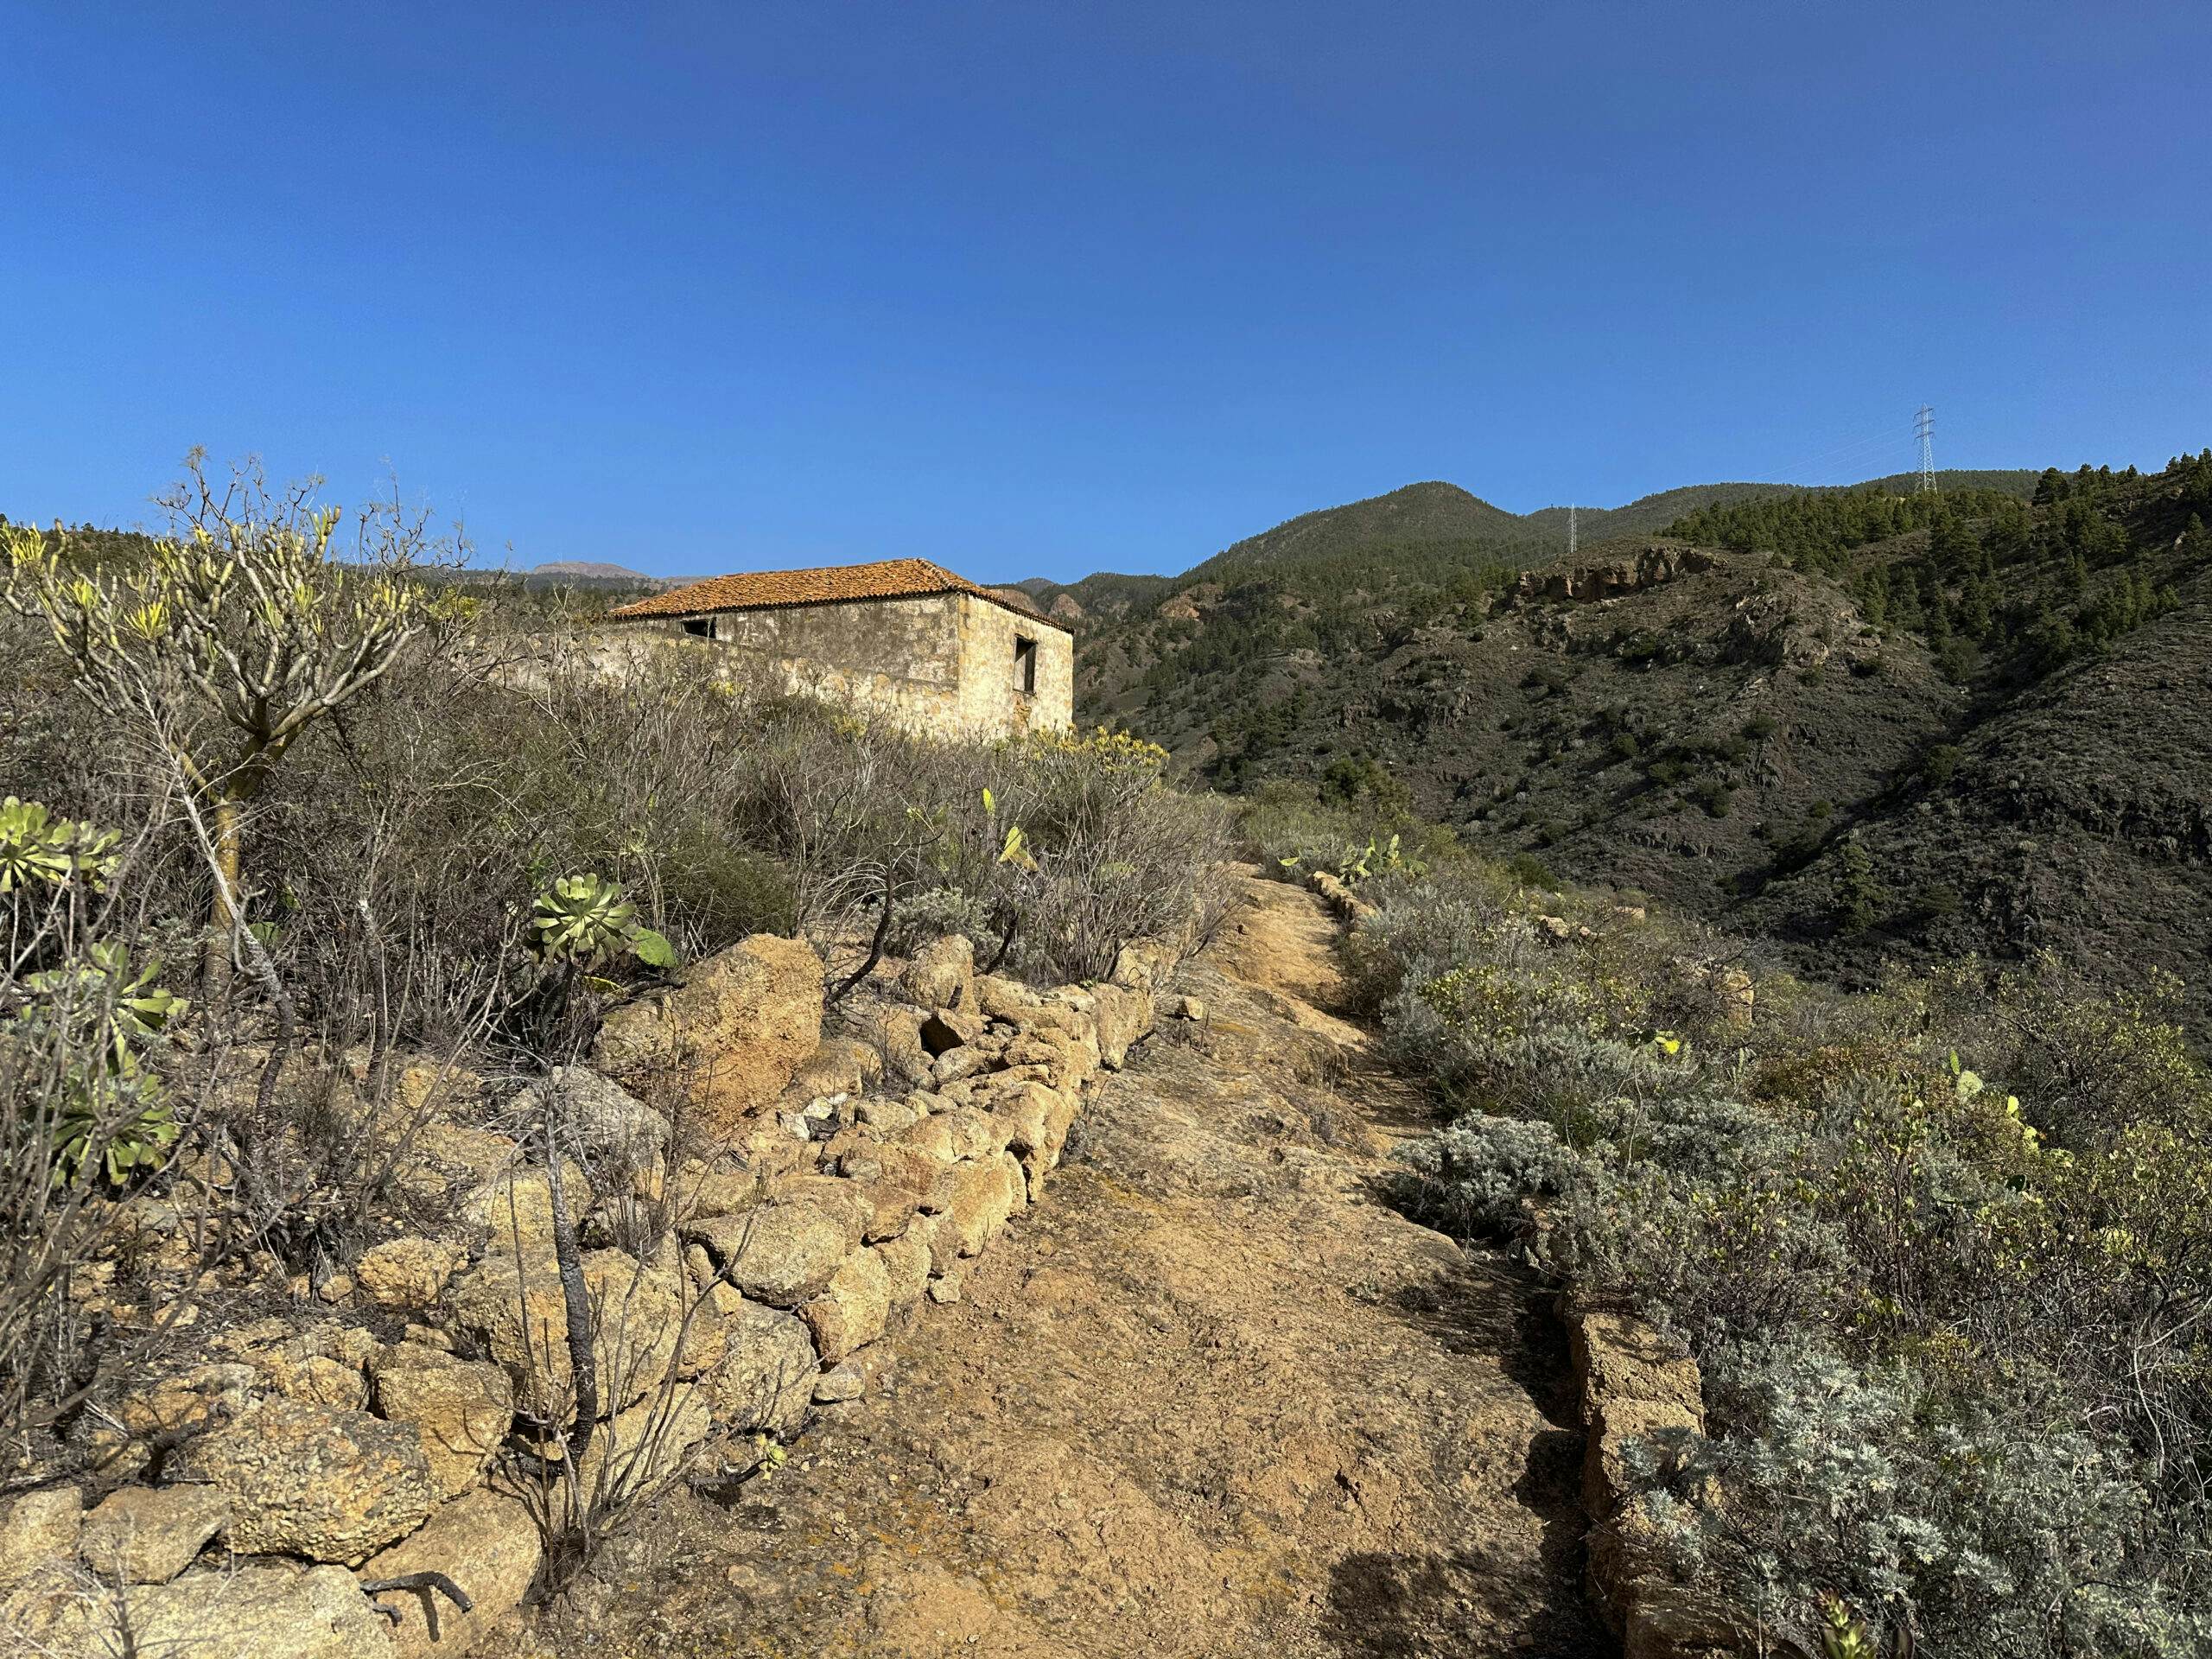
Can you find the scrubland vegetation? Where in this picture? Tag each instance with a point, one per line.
(295, 821)
(1943, 1248)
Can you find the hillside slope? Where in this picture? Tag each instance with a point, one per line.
(1863, 723)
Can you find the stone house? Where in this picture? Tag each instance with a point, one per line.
(902, 637)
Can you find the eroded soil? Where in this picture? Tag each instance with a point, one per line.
(1210, 1398)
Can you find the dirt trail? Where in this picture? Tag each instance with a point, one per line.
(1210, 1398)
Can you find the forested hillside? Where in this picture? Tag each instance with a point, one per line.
(1866, 720)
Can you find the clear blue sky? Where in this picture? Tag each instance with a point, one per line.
(1048, 287)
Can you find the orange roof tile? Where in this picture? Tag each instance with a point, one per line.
(763, 590)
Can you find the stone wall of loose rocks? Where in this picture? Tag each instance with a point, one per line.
(758, 1205)
(1634, 1384)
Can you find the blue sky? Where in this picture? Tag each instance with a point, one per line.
(1039, 288)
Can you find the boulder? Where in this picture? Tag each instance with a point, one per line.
(320, 1364)
(1066, 1061)
(900, 1181)
(842, 1065)
(942, 974)
(1124, 1017)
(40, 1527)
(849, 1201)
(486, 1543)
(167, 1412)
(622, 1140)
(461, 1409)
(957, 1133)
(146, 1534)
(260, 1610)
(735, 1032)
(408, 1275)
(443, 1158)
(1633, 1383)
(766, 1379)
(905, 1269)
(1002, 998)
(1038, 1119)
(960, 1063)
(1738, 997)
(852, 1309)
(1636, 1384)
(514, 1208)
(518, 1312)
(893, 1031)
(981, 1202)
(1145, 964)
(886, 1117)
(328, 1484)
(782, 1252)
(718, 1186)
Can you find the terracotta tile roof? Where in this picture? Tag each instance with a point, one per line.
(766, 590)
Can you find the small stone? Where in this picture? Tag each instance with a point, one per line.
(1193, 1008)
(946, 1288)
(336, 1288)
(840, 1383)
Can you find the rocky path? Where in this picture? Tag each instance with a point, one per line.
(1210, 1398)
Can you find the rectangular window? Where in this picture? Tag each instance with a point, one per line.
(702, 626)
(1025, 666)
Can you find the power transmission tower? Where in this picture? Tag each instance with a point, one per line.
(1923, 427)
(1570, 532)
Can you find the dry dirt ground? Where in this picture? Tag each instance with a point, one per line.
(1210, 1398)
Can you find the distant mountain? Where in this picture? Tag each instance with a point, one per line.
(1418, 516)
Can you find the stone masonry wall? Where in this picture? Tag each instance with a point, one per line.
(760, 1207)
(943, 664)
(990, 697)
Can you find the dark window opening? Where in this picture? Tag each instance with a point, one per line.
(1025, 666)
(702, 626)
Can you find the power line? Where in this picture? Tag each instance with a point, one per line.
(1842, 456)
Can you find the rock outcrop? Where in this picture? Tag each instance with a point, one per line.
(1628, 571)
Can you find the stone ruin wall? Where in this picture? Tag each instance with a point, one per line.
(943, 664)
(798, 1199)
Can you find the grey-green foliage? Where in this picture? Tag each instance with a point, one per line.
(1837, 1479)
(1950, 1365)
(1485, 1175)
(938, 911)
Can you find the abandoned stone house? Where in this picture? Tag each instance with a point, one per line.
(901, 638)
